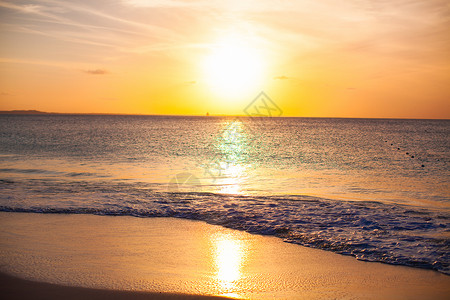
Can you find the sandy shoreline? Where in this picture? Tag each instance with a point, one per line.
(144, 257)
(16, 288)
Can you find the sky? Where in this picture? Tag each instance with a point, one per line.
(328, 58)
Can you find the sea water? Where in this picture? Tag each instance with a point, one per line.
(377, 189)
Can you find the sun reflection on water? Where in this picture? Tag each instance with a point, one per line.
(234, 177)
(234, 145)
(234, 142)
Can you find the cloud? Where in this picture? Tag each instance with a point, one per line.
(191, 82)
(5, 94)
(158, 3)
(282, 77)
(96, 72)
(29, 8)
(88, 25)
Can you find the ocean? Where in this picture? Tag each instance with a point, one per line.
(376, 189)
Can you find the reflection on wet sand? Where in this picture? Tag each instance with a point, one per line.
(228, 258)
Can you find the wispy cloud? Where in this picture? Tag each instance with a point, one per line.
(92, 26)
(96, 72)
(27, 8)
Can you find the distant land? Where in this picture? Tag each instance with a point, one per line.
(38, 112)
(24, 112)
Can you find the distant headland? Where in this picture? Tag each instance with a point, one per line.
(24, 112)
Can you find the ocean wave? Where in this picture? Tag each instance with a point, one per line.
(48, 172)
(367, 230)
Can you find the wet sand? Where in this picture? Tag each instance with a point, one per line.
(137, 258)
(15, 288)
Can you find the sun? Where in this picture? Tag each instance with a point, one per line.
(233, 69)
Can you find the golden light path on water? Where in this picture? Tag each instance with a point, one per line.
(234, 145)
(232, 183)
(229, 252)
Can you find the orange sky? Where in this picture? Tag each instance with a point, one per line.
(313, 58)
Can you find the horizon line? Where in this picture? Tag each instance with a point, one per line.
(38, 112)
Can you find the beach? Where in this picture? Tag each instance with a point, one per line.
(16, 288)
(118, 257)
